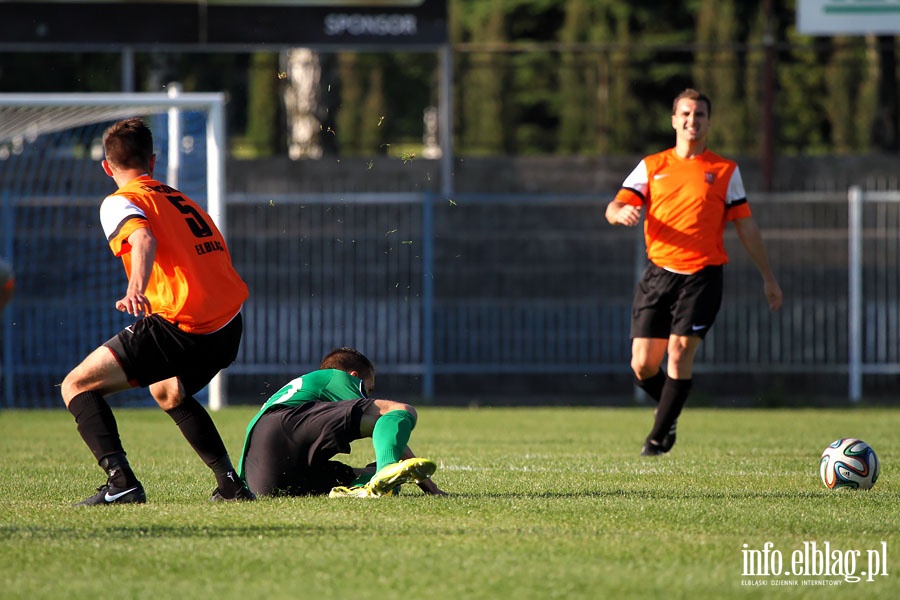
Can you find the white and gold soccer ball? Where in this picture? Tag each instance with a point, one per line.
(849, 463)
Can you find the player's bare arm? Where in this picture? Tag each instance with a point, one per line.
(143, 251)
(619, 213)
(751, 238)
(426, 485)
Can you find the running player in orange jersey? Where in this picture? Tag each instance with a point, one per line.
(187, 298)
(689, 194)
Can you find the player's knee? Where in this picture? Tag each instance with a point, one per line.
(168, 393)
(411, 410)
(407, 408)
(71, 387)
(386, 406)
(66, 390)
(166, 399)
(643, 370)
(681, 356)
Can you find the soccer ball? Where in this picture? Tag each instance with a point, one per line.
(849, 463)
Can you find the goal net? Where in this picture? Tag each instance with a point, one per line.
(51, 186)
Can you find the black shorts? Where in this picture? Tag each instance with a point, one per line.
(152, 349)
(291, 447)
(668, 303)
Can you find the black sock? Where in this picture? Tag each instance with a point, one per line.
(118, 470)
(199, 430)
(652, 386)
(99, 430)
(96, 424)
(227, 479)
(674, 395)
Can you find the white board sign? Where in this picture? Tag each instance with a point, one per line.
(848, 17)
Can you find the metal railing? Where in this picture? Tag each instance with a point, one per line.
(481, 288)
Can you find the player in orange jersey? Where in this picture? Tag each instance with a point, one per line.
(689, 195)
(187, 298)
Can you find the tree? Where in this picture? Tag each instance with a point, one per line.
(850, 89)
(372, 133)
(578, 84)
(484, 86)
(718, 71)
(303, 78)
(886, 125)
(752, 123)
(262, 104)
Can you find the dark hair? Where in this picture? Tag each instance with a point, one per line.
(348, 359)
(128, 144)
(692, 94)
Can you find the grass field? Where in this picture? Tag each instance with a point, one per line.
(545, 503)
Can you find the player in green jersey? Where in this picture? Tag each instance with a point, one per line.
(291, 441)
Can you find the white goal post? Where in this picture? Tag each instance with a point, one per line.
(24, 118)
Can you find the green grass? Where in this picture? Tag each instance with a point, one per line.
(545, 503)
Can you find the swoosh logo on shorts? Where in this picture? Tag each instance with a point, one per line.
(113, 497)
(698, 327)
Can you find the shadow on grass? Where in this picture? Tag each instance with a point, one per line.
(651, 494)
(121, 532)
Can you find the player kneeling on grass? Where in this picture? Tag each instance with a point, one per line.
(292, 439)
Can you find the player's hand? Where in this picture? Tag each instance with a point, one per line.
(629, 215)
(773, 295)
(430, 487)
(135, 304)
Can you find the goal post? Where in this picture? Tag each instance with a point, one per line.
(50, 190)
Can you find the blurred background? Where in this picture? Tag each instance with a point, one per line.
(426, 180)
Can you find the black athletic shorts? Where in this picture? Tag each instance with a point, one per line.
(668, 303)
(153, 349)
(291, 447)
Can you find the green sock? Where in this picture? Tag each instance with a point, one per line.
(390, 436)
(362, 480)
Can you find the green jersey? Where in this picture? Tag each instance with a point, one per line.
(325, 385)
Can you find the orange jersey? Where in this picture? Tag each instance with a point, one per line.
(687, 203)
(193, 283)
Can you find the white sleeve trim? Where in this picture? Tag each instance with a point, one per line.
(116, 209)
(638, 179)
(735, 188)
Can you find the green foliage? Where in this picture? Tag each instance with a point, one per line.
(718, 71)
(608, 83)
(544, 503)
(349, 114)
(802, 126)
(263, 101)
(577, 82)
(484, 90)
(548, 77)
(850, 87)
(753, 124)
(371, 133)
(382, 99)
